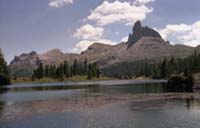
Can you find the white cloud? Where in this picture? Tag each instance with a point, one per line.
(174, 29)
(84, 44)
(124, 39)
(182, 33)
(89, 32)
(125, 12)
(88, 35)
(60, 3)
(140, 2)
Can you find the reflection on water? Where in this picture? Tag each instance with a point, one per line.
(139, 105)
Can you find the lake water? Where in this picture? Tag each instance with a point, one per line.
(103, 104)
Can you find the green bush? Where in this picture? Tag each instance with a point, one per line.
(4, 80)
(180, 83)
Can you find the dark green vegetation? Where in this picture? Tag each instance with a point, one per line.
(155, 70)
(180, 83)
(4, 73)
(179, 72)
(65, 70)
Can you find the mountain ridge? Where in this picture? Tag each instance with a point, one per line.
(143, 43)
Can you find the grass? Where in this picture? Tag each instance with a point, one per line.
(73, 79)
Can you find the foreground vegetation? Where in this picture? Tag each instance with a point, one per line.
(180, 83)
(4, 72)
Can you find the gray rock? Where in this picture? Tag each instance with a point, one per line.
(139, 32)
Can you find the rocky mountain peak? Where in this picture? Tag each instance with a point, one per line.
(97, 48)
(139, 31)
(24, 57)
(137, 26)
(98, 45)
(52, 53)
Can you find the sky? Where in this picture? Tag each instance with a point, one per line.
(73, 25)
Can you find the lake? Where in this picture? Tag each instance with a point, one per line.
(100, 104)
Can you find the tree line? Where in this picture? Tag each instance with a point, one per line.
(149, 68)
(67, 70)
(4, 72)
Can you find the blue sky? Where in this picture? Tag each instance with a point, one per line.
(72, 25)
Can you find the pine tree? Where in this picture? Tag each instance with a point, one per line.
(85, 67)
(98, 73)
(46, 73)
(94, 69)
(66, 69)
(4, 72)
(39, 72)
(74, 67)
(61, 74)
(89, 73)
(163, 68)
(186, 71)
(3, 65)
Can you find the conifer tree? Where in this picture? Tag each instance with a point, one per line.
(4, 72)
(163, 68)
(89, 73)
(47, 69)
(66, 69)
(61, 74)
(85, 67)
(40, 71)
(74, 67)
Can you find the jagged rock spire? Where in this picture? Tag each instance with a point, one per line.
(139, 32)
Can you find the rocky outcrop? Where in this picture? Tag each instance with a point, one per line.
(26, 58)
(97, 48)
(23, 64)
(139, 32)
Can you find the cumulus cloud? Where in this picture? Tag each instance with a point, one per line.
(125, 12)
(182, 33)
(89, 32)
(60, 3)
(84, 44)
(124, 39)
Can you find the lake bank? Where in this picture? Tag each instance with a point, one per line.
(73, 79)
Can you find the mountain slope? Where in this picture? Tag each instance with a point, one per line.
(144, 43)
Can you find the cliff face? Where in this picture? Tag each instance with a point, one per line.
(26, 58)
(24, 64)
(144, 43)
(139, 32)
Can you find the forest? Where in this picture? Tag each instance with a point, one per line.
(156, 70)
(67, 70)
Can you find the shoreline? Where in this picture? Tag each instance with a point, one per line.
(73, 79)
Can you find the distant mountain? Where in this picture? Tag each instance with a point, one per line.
(144, 43)
(24, 64)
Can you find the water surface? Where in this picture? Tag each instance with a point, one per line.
(102, 104)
